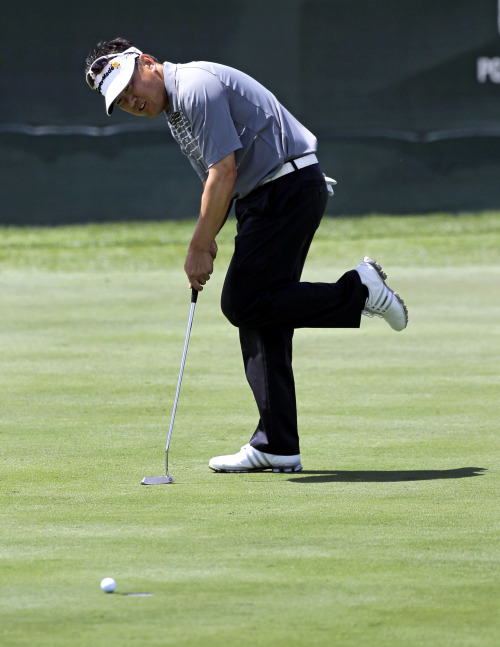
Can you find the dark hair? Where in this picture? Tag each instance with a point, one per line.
(105, 48)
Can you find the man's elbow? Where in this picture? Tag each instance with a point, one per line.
(232, 173)
(225, 171)
(228, 175)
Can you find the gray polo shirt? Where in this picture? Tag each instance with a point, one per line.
(216, 110)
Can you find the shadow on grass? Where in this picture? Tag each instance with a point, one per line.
(337, 476)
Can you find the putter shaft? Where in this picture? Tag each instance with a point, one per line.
(194, 297)
(161, 480)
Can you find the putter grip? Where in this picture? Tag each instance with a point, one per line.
(194, 295)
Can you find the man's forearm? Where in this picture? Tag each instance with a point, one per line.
(215, 203)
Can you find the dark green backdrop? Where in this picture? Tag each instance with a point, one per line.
(403, 96)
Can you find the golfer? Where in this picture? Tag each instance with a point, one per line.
(246, 147)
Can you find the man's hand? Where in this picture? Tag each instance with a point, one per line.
(199, 266)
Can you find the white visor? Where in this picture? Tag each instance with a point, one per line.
(115, 76)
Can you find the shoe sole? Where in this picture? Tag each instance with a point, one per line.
(380, 271)
(287, 469)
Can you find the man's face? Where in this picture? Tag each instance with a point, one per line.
(145, 95)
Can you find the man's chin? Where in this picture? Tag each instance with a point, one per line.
(152, 114)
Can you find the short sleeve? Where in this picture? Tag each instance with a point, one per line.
(206, 105)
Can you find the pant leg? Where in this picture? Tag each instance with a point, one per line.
(267, 357)
(264, 297)
(276, 224)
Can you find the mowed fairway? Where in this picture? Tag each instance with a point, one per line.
(388, 538)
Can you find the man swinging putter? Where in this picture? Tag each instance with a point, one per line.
(248, 148)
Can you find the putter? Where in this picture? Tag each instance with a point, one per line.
(165, 480)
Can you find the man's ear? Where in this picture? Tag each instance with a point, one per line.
(146, 61)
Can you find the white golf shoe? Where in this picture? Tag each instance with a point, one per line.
(382, 301)
(249, 459)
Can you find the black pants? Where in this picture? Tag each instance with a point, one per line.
(264, 298)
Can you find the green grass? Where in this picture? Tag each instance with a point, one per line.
(388, 538)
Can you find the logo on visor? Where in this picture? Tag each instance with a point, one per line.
(113, 66)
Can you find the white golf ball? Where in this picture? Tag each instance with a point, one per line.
(108, 585)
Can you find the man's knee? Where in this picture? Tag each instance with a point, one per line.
(232, 306)
(241, 307)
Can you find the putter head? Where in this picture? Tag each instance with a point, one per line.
(157, 480)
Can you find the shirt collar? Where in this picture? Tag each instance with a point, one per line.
(169, 74)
